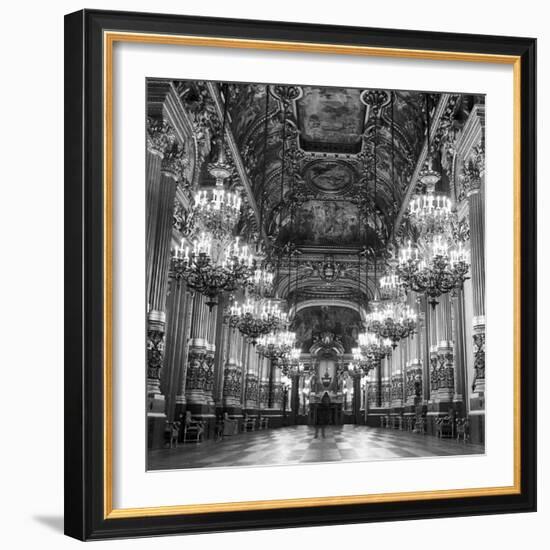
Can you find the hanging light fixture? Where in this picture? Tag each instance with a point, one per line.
(429, 212)
(391, 285)
(262, 280)
(440, 269)
(256, 317)
(374, 348)
(277, 345)
(370, 351)
(211, 267)
(217, 207)
(394, 321)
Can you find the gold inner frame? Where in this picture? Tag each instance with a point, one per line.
(109, 39)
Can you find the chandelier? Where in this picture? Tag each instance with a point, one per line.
(360, 364)
(395, 321)
(391, 285)
(261, 280)
(429, 212)
(256, 317)
(213, 266)
(277, 345)
(373, 347)
(218, 208)
(290, 363)
(443, 268)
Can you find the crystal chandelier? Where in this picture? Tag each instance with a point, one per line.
(213, 266)
(256, 317)
(217, 208)
(359, 365)
(440, 270)
(391, 285)
(429, 212)
(261, 280)
(290, 363)
(277, 345)
(374, 348)
(394, 321)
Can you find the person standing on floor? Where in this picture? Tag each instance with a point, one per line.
(323, 416)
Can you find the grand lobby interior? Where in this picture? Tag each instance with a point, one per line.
(315, 272)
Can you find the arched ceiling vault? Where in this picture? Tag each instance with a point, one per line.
(330, 170)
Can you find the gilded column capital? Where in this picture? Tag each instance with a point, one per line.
(160, 136)
(175, 161)
(473, 172)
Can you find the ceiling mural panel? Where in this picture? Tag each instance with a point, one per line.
(325, 223)
(310, 323)
(329, 176)
(331, 119)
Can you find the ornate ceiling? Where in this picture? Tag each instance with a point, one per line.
(328, 173)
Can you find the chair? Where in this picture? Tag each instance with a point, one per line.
(249, 423)
(444, 427)
(230, 426)
(193, 430)
(463, 429)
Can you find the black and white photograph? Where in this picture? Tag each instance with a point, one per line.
(315, 274)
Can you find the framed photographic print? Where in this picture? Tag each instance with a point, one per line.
(300, 274)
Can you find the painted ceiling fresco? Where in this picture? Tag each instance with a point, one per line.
(330, 119)
(329, 176)
(327, 223)
(327, 168)
(310, 323)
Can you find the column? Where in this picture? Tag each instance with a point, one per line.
(176, 317)
(473, 185)
(186, 335)
(445, 350)
(210, 353)
(433, 356)
(251, 396)
(295, 398)
(357, 398)
(460, 357)
(194, 389)
(263, 366)
(232, 373)
(165, 160)
(386, 381)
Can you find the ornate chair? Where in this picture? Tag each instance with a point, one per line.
(193, 430)
(230, 426)
(420, 425)
(249, 423)
(463, 429)
(444, 427)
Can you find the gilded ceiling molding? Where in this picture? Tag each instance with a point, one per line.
(334, 302)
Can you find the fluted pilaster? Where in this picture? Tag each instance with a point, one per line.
(473, 183)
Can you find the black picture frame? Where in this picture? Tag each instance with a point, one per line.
(85, 517)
